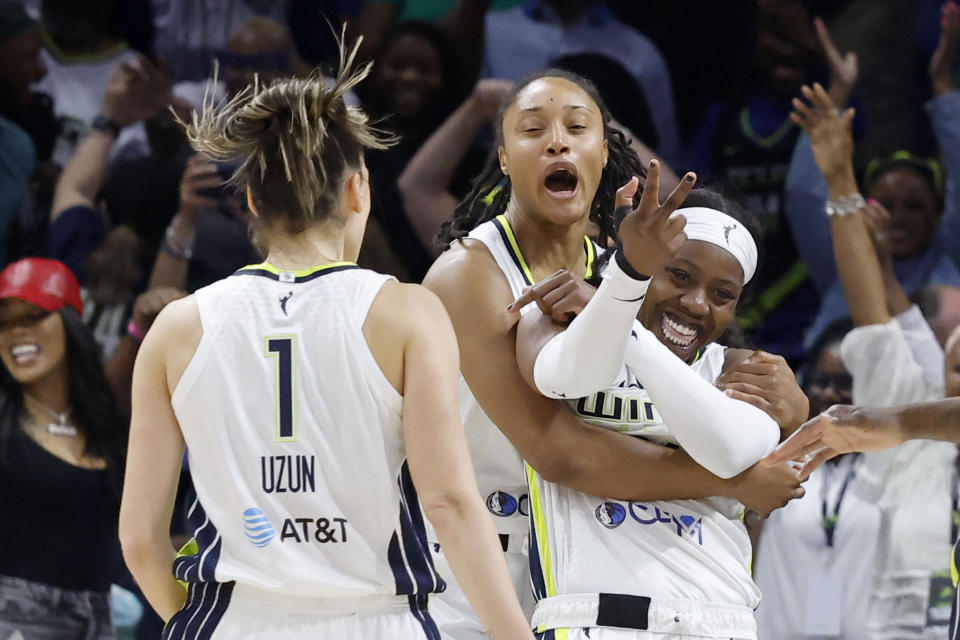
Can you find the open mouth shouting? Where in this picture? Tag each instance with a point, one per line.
(561, 180)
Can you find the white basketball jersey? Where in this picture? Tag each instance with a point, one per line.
(295, 442)
(681, 549)
(498, 464)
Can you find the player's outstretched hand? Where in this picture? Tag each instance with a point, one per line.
(838, 430)
(649, 235)
(561, 296)
(765, 488)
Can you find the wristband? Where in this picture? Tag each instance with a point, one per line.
(625, 265)
(845, 205)
(105, 124)
(134, 331)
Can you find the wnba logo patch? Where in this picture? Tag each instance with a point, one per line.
(257, 528)
(611, 515)
(501, 504)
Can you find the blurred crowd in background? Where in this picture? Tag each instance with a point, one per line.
(95, 172)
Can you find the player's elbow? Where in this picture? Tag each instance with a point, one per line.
(557, 468)
(137, 543)
(446, 509)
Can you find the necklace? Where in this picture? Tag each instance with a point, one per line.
(60, 427)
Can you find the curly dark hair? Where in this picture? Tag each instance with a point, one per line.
(490, 192)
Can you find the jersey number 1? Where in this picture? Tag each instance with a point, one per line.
(281, 348)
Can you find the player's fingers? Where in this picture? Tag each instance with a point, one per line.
(757, 401)
(822, 456)
(797, 493)
(626, 193)
(678, 195)
(526, 297)
(559, 292)
(650, 198)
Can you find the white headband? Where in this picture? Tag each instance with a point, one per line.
(716, 227)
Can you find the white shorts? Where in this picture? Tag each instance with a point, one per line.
(624, 617)
(451, 609)
(227, 611)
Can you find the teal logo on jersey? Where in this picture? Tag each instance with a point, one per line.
(611, 515)
(257, 527)
(501, 503)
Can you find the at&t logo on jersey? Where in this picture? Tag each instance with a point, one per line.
(257, 527)
(611, 515)
(260, 532)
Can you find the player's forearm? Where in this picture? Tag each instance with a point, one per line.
(939, 420)
(151, 564)
(601, 462)
(724, 435)
(470, 544)
(588, 356)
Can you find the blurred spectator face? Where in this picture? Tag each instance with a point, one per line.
(260, 47)
(20, 63)
(951, 365)
(828, 382)
(409, 74)
(913, 208)
(78, 26)
(785, 44)
(32, 341)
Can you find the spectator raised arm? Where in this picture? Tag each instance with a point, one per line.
(425, 182)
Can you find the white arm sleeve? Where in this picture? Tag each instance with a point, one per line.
(725, 436)
(588, 356)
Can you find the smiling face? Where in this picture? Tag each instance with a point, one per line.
(553, 150)
(33, 343)
(410, 73)
(913, 208)
(692, 301)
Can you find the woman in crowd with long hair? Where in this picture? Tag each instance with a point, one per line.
(62, 443)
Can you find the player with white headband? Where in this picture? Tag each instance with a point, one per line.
(604, 568)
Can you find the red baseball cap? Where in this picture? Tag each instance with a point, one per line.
(49, 284)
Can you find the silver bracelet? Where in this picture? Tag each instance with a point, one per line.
(173, 248)
(845, 204)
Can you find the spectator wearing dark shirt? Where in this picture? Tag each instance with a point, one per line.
(62, 445)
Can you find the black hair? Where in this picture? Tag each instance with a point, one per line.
(927, 168)
(93, 406)
(833, 334)
(490, 192)
(620, 90)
